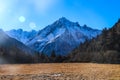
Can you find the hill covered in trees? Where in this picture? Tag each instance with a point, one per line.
(103, 49)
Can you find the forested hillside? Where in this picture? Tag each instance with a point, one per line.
(103, 49)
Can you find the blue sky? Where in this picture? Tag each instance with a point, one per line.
(36, 14)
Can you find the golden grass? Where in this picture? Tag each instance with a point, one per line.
(69, 71)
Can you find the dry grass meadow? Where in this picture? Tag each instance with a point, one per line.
(60, 71)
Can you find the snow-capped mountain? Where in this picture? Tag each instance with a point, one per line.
(61, 37)
(22, 36)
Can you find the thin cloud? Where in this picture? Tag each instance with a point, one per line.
(43, 5)
(3, 8)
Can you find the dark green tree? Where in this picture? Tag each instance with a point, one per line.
(53, 54)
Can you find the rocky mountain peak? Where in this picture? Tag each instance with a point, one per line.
(64, 22)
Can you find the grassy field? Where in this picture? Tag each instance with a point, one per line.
(62, 71)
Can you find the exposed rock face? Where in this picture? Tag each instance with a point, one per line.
(62, 37)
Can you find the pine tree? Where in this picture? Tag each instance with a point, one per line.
(53, 55)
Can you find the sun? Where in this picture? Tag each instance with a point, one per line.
(22, 19)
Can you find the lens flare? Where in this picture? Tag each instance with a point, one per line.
(22, 19)
(32, 25)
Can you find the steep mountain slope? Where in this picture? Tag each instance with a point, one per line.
(61, 37)
(13, 51)
(22, 36)
(104, 49)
